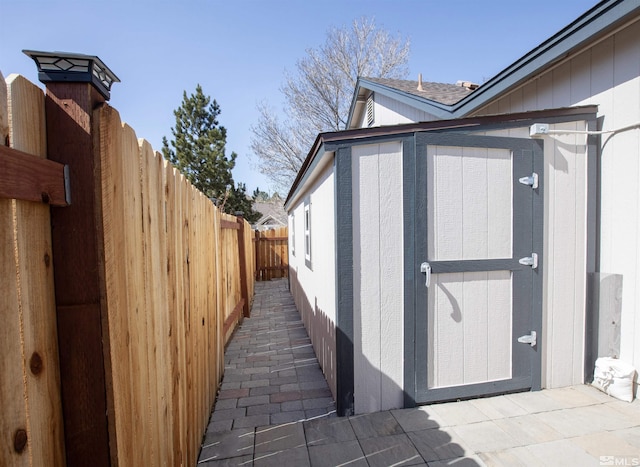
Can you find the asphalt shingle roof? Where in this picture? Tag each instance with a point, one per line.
(443, 93)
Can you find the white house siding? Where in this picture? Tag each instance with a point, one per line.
(313, 288)
(378, 276)
(388, 111)
(606, 74)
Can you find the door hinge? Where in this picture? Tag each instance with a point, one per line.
(531, 180)
(531, 339)
(530, 261)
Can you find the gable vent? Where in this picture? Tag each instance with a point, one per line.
(370, 116)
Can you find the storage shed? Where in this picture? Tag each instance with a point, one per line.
(451, 250)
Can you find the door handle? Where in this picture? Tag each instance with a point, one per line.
(426, 268)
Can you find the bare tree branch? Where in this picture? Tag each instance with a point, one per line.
(318, 95)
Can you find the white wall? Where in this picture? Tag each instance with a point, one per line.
(608, 75)
(313, 288)
(378, 277)
(388, 111)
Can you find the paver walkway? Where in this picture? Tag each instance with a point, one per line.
(275, 409)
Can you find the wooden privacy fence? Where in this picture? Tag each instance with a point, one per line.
(116, 309)
(272, 254)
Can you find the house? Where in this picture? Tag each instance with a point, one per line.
(272, 210)
(457, 244)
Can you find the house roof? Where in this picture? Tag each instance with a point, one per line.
(273, 212)
(438, 92)
(598, 22)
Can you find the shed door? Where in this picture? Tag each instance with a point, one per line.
(479, 244)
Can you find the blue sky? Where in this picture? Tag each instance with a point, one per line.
(238, 50)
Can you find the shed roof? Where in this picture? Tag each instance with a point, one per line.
(327, 143)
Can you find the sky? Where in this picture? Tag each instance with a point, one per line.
(239, 50)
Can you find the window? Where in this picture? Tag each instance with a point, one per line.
(307, 233)
(292, 230)
(370, 116)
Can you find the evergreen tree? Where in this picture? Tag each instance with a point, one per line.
(259, 195)
(198, 151)
(241, 202)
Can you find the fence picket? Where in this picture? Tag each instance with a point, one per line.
(31, 254)
(169, 278)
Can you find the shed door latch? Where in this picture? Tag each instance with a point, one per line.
(426, 268)
(530, 261)
(531, 180)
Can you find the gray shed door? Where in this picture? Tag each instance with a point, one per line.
(479, 247)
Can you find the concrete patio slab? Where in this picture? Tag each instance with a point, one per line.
(344, 453)
(485, 437)
(528, 430)
(390, 450)
(439, 444)
(332, 431)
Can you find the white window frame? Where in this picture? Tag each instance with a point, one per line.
(293, 233)
(307, 233)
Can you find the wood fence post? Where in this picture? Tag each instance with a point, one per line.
(244, 288)
(71, 98)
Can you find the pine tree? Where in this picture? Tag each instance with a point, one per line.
(198, 151)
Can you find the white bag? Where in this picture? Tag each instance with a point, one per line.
(615, 378)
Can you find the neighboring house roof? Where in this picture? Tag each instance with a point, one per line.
(596, 23)
(273, 213)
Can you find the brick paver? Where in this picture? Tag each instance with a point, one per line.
(274, 408)
(272, 375)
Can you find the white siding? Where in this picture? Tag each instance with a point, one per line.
(314, 288)
(378, 277)
(608, 75)
(388, 111)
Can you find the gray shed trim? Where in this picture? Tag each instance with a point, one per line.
(596, 23)
(344, 282)
(523, 228)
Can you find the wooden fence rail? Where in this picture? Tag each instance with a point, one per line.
(175, 277)
(272, 254)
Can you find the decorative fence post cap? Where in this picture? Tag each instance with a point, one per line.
(57, 67)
